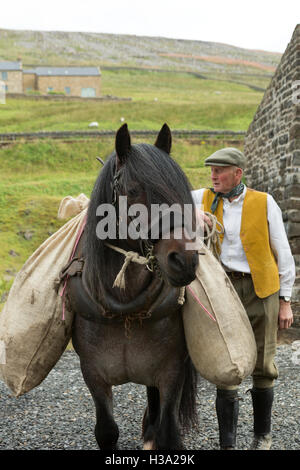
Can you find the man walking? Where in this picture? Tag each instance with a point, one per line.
(256, 255)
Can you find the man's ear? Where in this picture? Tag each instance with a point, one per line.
(239, 172)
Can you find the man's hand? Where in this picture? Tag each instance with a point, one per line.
(285, 316)
(201, 217)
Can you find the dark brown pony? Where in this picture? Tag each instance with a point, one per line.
(135, 334)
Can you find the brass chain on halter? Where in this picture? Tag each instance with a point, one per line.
(133, 317)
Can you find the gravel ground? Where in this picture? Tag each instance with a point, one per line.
(60, 414)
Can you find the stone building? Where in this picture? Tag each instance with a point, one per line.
(272, 147)
(2, 92)
(72, 81)
(11, 74)
(29, 82)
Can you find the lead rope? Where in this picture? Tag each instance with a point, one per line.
(213, 234)
(129, 256)
(214, 245)
(132, 256)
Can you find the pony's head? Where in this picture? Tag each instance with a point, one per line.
(140, 202)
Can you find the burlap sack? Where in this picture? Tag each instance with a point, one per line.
(70, 206)
(222, 351)
(33, 334)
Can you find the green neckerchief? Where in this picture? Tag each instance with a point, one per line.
(236, 191)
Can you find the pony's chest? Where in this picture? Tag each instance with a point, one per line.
(137, 354)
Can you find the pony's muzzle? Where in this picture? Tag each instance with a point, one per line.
(182, 267)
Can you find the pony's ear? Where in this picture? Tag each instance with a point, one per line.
(164, 139)
(123, 144)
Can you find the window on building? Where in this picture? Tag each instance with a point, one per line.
(50, 88)
(4, 75)
(67, 90)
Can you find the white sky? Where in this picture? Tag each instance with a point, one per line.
(255, 24)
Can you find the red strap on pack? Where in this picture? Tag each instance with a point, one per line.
(196, 298)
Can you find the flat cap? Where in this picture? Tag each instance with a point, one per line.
(228, 156)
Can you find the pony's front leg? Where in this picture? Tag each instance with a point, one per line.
(151, 418)
(168, 434)
(168, 431)
(106, 429)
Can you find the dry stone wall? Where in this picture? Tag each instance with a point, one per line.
(272, 147)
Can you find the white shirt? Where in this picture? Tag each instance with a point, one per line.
(233, 256)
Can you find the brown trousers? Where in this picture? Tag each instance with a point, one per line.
(263, 316)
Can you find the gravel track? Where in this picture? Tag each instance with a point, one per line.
(60, 414)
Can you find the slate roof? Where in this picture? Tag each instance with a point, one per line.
(67, 71)
(29, 71)
(10, 66)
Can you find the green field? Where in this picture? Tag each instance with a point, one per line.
(35, 176)
(182, 100)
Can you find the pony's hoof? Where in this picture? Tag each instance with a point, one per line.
(149, 445)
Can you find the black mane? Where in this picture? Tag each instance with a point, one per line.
(163, 182)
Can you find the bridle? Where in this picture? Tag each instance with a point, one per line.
(146, 244)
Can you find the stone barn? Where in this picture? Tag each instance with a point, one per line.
(2, 92)
(72, 81)
(12, 76)
(272, 147)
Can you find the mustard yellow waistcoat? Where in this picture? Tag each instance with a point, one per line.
(254, 235)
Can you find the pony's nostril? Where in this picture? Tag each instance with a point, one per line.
(175, 260)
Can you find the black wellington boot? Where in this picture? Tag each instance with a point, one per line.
(262, 399)
(227, 407)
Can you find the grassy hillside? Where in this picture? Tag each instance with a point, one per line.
(75, 48)
(36, 176)
(182, 100)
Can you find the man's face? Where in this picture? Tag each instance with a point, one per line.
(225, 178)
